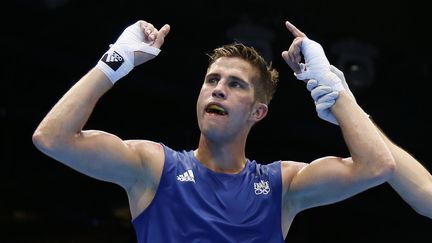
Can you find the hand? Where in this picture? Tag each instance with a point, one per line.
(293, 56)
(137, 44)
(325, 97)
(316, 65)
(145, 38)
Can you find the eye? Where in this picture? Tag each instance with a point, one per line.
(236, 84)
(212, 80)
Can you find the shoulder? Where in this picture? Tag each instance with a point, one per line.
(151, 155)
(288, 167)
(145, 148)
(288, 170)
(157, 154)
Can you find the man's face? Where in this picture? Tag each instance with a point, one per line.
(226, 100)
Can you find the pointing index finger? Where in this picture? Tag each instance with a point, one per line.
(296, 32)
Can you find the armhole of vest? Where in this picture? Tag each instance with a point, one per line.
(164, 181)
(277, 167)
(168, 152)
(166, 166)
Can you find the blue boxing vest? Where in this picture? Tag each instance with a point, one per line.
(195, 204)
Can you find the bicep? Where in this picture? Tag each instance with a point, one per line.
(326, 180)
(102, 156)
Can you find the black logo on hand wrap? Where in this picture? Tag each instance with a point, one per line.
(114, 61)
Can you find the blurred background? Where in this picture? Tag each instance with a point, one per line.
(384, 51)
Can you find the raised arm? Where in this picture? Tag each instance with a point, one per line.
(332, 179)
(96, 153)
(411, 180)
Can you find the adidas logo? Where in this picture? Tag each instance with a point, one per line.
(187, 176)
(114, 60)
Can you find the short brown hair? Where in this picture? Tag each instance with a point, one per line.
(267, 79)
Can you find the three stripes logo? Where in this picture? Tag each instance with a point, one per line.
(187, 176)
(113, 60)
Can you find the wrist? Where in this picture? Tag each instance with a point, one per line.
(116, 63)
(332, 80)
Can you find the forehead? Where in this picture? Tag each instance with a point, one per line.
(232, 66)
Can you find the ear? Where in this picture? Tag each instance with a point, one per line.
(259, 112)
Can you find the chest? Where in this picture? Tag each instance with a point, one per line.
(233, 198)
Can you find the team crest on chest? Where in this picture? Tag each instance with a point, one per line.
(262, 187)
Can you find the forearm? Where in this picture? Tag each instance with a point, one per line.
(365, 145)
(66, 119)
(411, 180)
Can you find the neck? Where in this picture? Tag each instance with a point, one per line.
(223, 157)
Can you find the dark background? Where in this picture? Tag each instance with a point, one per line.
(48, 45)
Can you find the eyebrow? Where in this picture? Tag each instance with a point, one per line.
(211, 75)
(232, 78)
(237, 79)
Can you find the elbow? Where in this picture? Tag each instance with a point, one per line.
(385, 168)
(45, 140)
(42, 141)
(380, 170)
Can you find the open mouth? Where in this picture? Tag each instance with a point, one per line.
(215, 109)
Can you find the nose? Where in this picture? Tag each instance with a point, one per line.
(219, 92)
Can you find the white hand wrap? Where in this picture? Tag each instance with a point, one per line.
(324, 98)
(340, 74)
(118, 61)
(317, 66)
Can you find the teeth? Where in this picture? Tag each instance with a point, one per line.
(216, 109)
